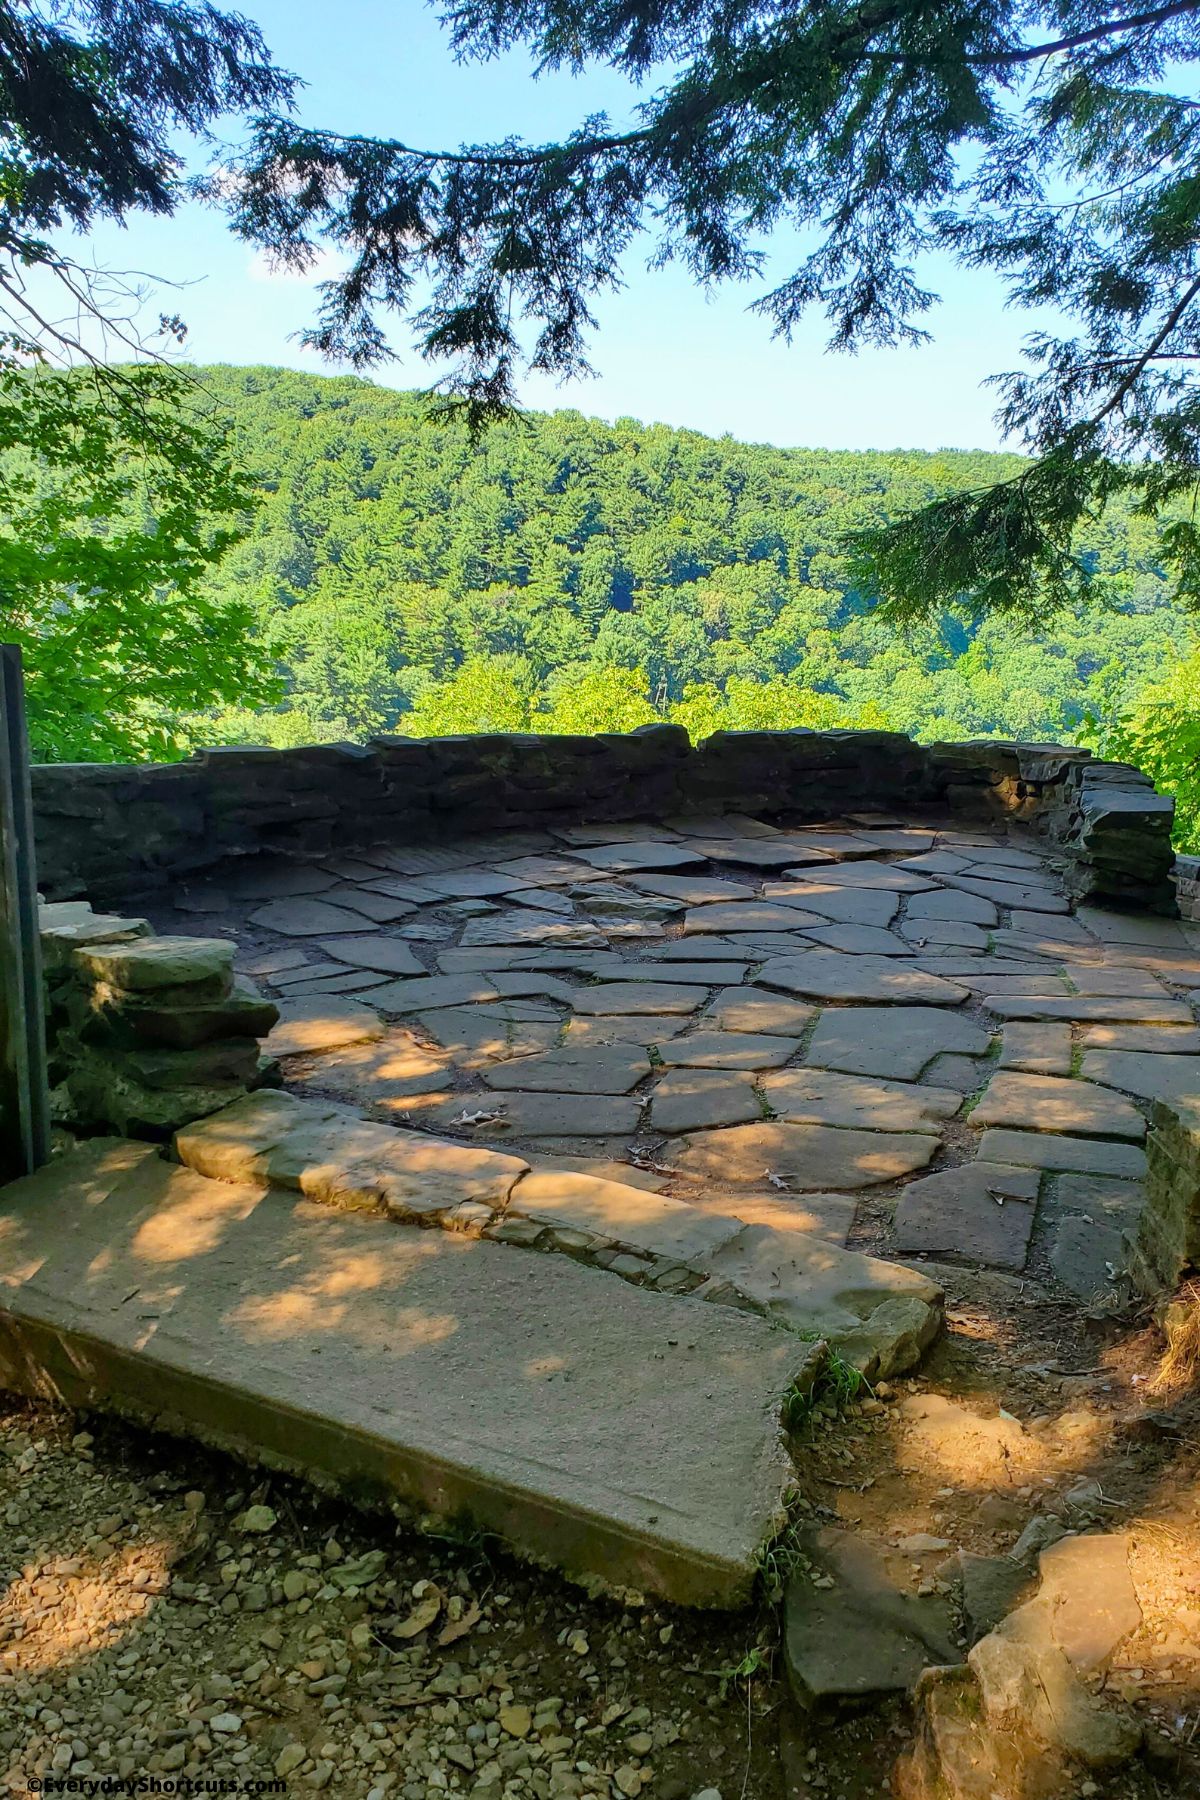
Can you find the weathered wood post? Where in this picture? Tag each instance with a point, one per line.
(24, 1094)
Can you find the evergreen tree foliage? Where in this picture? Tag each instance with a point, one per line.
(1054, 143)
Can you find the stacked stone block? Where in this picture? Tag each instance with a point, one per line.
(145, 1033)
(1168, 1239)
(112, 831)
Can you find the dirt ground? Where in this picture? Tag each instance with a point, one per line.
(169, 1614)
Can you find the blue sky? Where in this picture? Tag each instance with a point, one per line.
(664, 351)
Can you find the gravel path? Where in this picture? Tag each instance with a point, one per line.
(163, 1617)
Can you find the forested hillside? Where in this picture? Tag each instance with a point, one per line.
(568, 574)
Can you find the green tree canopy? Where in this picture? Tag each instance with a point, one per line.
(1051, 142)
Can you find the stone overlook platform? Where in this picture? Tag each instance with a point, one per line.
(591, 1137)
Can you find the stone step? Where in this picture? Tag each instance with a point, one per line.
(598, 1427)
(880, 1316)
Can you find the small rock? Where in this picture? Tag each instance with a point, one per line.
(258, 1519)
(289, 1759)
(225, 1723)
(516, 1720)
(922, 1544)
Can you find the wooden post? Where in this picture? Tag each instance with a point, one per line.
(24, 1093)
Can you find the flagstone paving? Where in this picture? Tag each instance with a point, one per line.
(856, 1031)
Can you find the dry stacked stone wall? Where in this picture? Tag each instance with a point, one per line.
(109, 831)
(145, 1033)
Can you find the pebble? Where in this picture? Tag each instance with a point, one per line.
(258, 1519)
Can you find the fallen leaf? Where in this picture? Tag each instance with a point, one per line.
(421, 1617)
(457, 1628)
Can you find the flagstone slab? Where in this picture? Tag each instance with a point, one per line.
(638, 997)
(588, 1069)
(698, 974)
(867, 874)
(921, 933)
(389, 954)
(1099, 1198)
(1036, 1049)
(382, 909)
(913, 839)
(936, 862)
(1048, 1103)
(694, 890)
(703, 949)
(1008, 893)
(1028, 946)
(894, 1042)
(825, 1216)
(1008, 855)
(428, 992)
(307, 918)
(965, 1074)
(589, 833)
(385, 1075)
(753, 1009)
(1062, 927)
(829, 1097)
(979, 1212)
(543, 871)
(1151, 1040)
(1143, 929)
(694, 1099)
(858, 940)
(747, 915)
(346, 981)
(307, 1027)
(1153, 1077)
(640, 1028)
(880, 1316)
(1085, 1008)
(474, 1036)
(1088, 1258)
(526, 925)
(947, 903)
(835, 975)
(542, 1115)
(605, 898)
(399, 887)
(277, 880)
(760, 945)
(624, 1214)
(802, 1156)
(1135, 984)
(759, 853)
(468, 884)
(839, 905)
(729, 1050)
(635, 856)
(1054, 1150)
(547, 899)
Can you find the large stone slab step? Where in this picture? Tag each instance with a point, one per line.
(879, 1315)
(595, 1426)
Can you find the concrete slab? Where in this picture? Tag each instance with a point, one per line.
(693, 1099)
(553, 1404)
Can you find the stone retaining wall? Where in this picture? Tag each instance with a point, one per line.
(109, 830)
(144, 1033)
